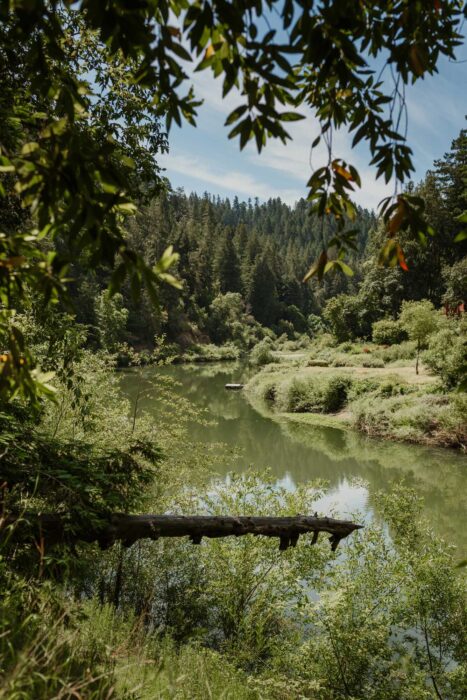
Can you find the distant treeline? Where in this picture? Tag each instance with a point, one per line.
(244, 261)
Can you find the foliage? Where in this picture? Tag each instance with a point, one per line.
(77, 156)
(256, 622)
(42, 647)
(83, 458)
(262, 353)
(342, 314)
(455, 279)
(381, 405)
(210, 353)
(228, 320)
(419, 415)
(68, 174)
(315, 324)
(302, 393)
(446, 354)
(388, 332)
(397, 353)
(111, 318)
(419, 320)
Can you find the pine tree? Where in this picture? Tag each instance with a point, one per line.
(227, 265)
(263, 297)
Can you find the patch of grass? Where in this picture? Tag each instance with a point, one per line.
(361, 360)
(417, 416)
(387, 407)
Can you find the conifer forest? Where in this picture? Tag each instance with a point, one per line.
(233, 350)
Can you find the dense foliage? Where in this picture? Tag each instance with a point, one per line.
(241, 264)
(87, 225)
(84, 85)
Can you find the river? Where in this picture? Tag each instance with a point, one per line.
(354, 466)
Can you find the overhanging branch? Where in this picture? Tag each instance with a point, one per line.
(55, 528)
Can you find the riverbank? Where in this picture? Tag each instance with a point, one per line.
(392, 403)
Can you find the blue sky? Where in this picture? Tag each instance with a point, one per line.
(203, 159)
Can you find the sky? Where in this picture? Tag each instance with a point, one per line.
(203, 159)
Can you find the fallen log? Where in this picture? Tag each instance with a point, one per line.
(55, 528)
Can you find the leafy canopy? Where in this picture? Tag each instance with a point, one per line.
(84, 84)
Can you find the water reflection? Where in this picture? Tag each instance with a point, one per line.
(298, 452)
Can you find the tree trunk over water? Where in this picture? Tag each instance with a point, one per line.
(54, 528)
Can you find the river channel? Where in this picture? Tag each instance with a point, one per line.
(355, 467)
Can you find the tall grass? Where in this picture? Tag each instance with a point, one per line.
(384, 407)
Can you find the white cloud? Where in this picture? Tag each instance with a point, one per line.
(431, 106)
(238, 182)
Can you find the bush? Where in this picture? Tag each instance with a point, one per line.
(342, 314)
(362, 360)
(293, 314)
(394, 353)
(262, 353)
(285, 327)
(335, 393)
(211, 353)
(388, 332)
(446, 355)
(305, 394)
(112, 318)
(318, 362)
(315, 324)
(414, 416)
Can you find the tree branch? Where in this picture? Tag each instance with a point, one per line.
(56, 528)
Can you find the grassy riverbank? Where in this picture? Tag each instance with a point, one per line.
(389, 401)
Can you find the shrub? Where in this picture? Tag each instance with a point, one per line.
(315, 324)
(210, 353)
(388, 332)
(262, 352)
(446, 356)
(111, 318)
(342, 314)
(342, 360)
(374, 362)
(285, 327)
(293, 314)
(414, 416)
(318, 362)
(335, 393)
(305, 394)
(405, 351)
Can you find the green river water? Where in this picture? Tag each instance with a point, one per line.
(354, 466)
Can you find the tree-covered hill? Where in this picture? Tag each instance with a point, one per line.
(244, 262)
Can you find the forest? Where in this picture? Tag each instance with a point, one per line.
(245, 262)
(325, 551)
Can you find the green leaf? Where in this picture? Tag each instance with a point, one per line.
(291, 117)
(345, 268)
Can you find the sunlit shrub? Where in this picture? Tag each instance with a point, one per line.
(388, 332)
(262, 353)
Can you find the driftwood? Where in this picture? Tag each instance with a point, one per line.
(54, 528)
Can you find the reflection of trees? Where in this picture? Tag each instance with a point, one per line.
(308, 452)
(437, 475)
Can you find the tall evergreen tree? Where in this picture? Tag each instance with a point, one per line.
(263, 297)
(227, 265)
